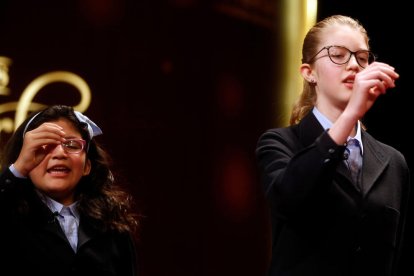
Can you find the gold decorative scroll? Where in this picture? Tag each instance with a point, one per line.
(25, 104)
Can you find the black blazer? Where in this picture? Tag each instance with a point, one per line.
(33, 243)
(322, 224)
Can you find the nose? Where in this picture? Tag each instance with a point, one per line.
(353, 63)
(59, 151)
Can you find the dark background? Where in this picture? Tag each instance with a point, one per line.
(182, 90)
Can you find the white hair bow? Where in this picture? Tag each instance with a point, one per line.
(93, 129)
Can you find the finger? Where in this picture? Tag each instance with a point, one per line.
(49, 127)
(378, 89)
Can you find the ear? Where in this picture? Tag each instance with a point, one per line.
(307, 73)
(87, 167)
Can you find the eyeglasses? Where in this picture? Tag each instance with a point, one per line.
(341, 55)
(73, 145)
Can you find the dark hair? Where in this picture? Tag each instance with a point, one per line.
(100, 197)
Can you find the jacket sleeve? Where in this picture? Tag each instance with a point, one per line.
(293, 174)
(10, 187)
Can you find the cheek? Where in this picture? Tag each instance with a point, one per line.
(327, 69)
(329, 76)
(77, 164)
(86, 167)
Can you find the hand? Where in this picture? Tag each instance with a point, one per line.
(370, 83)
(33, 150)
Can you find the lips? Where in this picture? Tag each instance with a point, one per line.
(349, 79)
(58, 169)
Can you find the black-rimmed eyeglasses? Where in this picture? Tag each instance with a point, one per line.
(341, 55)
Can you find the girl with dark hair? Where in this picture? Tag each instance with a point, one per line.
(61, 209)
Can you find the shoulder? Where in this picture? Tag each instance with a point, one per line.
(279, 133)
(282, 140)
(283, 135)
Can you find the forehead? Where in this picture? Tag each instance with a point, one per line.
(343, 35)
(68, 127)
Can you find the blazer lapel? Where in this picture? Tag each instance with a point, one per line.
(85, 232)
(83, 236)
(374, 162)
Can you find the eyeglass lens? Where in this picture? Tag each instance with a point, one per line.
(341, 55)
(73, 145)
